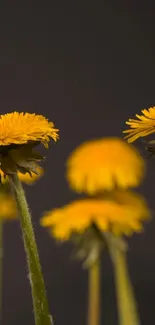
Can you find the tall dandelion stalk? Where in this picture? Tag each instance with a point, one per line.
(8, 211)
(19, 134)
(127, 307)
(40, 303)
(94, 293)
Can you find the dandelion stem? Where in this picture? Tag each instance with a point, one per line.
(40, 303)
(94, 293)
(1, 266)
(127, 309)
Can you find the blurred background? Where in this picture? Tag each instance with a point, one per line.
(87, 66)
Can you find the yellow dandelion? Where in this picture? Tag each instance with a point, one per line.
(143, 126)
(8, 209)
(19, 134)
(123, 213)
(104, 164)
(21, 128)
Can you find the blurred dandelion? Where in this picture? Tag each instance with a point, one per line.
(104, 169)
(19, 134)
(8, 211)
(90, 224)
(119, 213)
(8, 208)
(104, 164)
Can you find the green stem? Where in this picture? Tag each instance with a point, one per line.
(40, 303)
(1, 266)
(127, 309)
(94, 294)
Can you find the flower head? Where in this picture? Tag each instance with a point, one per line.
(143, 126)
(19, 134)
(8, 209)
(21, 128)
(104, 164)
(122, 213)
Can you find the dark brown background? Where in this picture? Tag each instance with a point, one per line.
(87, 66)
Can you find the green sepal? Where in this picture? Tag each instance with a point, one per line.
(150, 147)
(26, 159)
(25, 153)
(23, 159)
(150, 142)
(8, 165)
(116, 241)
(88, 245)
(27, 166)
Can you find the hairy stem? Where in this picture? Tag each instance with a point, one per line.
(40, 303)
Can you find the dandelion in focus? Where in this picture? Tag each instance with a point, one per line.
(104, 164)
(20, 133)
(21, 128)
(142, 126)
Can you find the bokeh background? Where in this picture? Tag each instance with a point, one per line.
(87, 66)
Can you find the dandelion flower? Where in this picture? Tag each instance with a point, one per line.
(20, 128)
(121, 213)
(143, 126)
(104, 164)
(8, 209)
(19, 134)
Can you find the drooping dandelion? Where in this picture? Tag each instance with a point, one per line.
(104, 164)
(20, 133)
